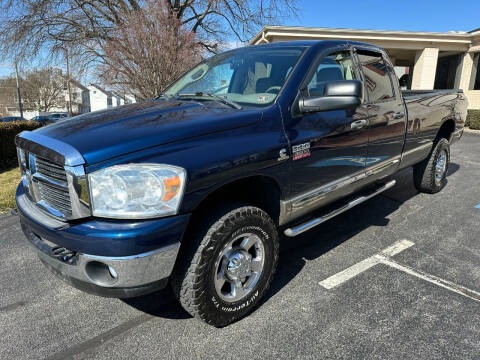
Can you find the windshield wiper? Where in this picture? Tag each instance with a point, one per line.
(222, 99)
(162, 95)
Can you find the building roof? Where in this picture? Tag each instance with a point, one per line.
(106, 92)
(460, 41)
(117, 94)
(76, 83)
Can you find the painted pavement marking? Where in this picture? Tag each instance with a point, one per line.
(384, 257)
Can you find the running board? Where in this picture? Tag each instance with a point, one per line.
(297, 230)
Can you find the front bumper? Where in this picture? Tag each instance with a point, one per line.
(111, 271)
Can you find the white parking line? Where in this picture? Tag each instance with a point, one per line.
(459, 289)
(384, 258)
(366, 264)
(348, 273)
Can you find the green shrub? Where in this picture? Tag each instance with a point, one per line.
(473, 119)
(8, 131)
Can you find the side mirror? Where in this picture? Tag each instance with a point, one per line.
(337, 95)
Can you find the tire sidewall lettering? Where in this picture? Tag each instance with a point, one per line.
(221, 305)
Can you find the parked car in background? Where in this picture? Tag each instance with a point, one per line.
(58, 116)
(53, 118)
(13, 118)
(42, 119)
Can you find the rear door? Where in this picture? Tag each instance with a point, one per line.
(386, 113)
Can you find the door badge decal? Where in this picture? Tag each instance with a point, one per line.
(301, 151)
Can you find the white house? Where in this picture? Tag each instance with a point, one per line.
(100, 98)
(84, 99)
(80, 102)
(130, 99)
(104, 99)
(117, 99)
(80, 97)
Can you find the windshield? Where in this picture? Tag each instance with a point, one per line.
(250, 76)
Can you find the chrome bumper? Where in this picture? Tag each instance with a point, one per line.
(108, 270)
(125, 276)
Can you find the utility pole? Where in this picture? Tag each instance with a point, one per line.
(20, 106)
(68, 85)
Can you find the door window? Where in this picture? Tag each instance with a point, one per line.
(377, 77)
(334, 67)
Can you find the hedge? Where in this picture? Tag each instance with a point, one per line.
(473, 119)
(8, 131)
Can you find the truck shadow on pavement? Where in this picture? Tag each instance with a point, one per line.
(295, 252)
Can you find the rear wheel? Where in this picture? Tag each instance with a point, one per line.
(430, 175)
(224, 274)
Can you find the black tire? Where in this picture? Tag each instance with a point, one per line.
(193, 280)
(424, 172)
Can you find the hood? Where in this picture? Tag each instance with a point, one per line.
(105, 134)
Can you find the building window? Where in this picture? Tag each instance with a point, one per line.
(475, 79)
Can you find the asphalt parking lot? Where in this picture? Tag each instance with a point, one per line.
(342, 291)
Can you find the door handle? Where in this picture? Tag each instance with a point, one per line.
(398, 115)
(358, 124)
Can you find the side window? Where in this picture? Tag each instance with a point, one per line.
(377, 78)
(334, 67)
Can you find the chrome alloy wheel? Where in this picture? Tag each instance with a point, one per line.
(440, 167)
(239, 267)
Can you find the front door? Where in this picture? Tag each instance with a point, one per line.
(328, 149)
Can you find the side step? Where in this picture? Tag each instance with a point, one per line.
(299, 229)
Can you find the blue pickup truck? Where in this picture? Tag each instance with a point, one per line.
(194, 188)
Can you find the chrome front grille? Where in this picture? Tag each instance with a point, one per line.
(57, 198)
(46, 184)
(53, 176)
(51, 170)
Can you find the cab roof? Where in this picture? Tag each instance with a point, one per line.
(313, 43)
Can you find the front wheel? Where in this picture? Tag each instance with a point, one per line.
(224, 274)
(430, 175)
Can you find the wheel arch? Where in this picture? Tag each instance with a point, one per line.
(446, 130)
(256, 190)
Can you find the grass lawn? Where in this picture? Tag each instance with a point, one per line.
(9, 180)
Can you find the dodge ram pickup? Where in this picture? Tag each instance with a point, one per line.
(193, 188)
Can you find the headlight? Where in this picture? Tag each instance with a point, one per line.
(136, 191)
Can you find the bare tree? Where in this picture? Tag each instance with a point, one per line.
(216, 20)
(44, 89)
(148, 51)
(8, 91)
(27, 26)
(139, 44)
